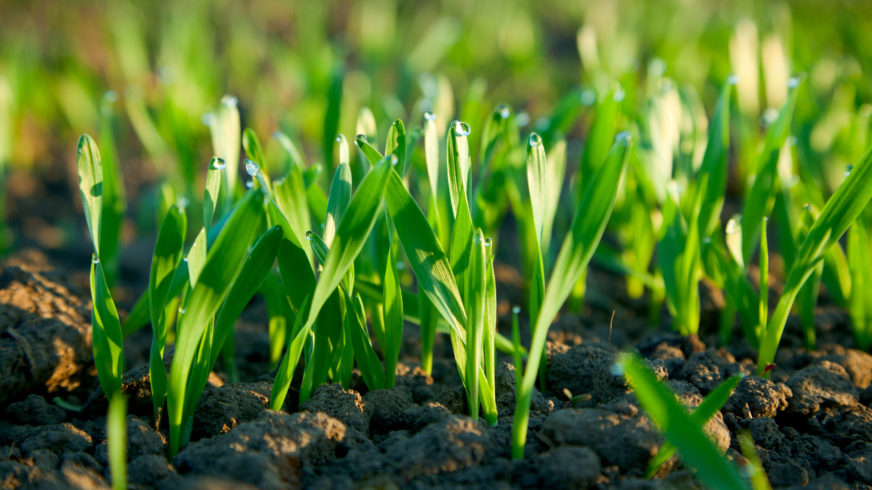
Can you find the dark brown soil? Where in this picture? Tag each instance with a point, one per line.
(811, 422)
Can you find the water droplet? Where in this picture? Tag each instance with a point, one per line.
(182, 202)
(429, 116)
(617, 369)
(208, 118)
(461, 128)
(707, 240)
(732, 226)
(249, 184)
(619, 94)
(95, 259)
(181, 311)
(110, 96)
(624, 136)
(251, 168)
(229, 101)
(791, 140)
(588, 98)
(733, 79)
(218, 163)
(769, 116)
(360, 138)
(185, 258)
(516, 310)
(339, 139)
(848, 170)
(522, 119)
(504, 111)
(535, 140)
(807, 206)
(488, 242)
(401, 266)
(394, 159)
(793, 82)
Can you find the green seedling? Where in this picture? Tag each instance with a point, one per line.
(682, 430)
(576, 251)
(840, 211)
(106, 328)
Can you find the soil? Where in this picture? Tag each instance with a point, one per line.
(811, 422)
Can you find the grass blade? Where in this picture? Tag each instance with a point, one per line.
(578, 247)
(168, 250)
(840, 211)
(221, 267)
(680, 428)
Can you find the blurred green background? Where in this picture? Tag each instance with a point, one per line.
(150, 71)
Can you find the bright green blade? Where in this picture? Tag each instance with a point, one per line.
(106, 332)
(116, 440)
(168, 250)
(843, 207)
(222, 265)
(91, 185)
(680, 428)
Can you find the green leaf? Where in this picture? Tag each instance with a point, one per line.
(396, 144)
(840, 211)
(213, 190)
(222, 265)
(711, 405)
(106, 332)
(459, 163)
(167, 255)
(196, 257)
(393, 317)
(367, 360)
(91, 185)
(578, 247)
(426, 256)
(538, 183)
(714, 165)
(351, 234)
(255, 269)
(337, 201)
(114, 203)
(226, 135)
(331, 117)
(761, 196)
(680, 428)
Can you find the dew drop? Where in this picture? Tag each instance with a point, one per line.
(339, 139)
(249, 184)
(401, 266)
(848, 170)
(181, 311)
(792, 82)
(807, 206)
(535, 140)
(95, 259)
(733, 79)
(504, 111)
(182, 202)
(619, 94)
(185, 258)
(218, 163)
(229, 101)
(110, 96)
(208, 118)
(488, 242)
(732, 226)
(617, 369)
(522, 119)
(516, 310)
(251, 168)
(360, 138)
(461, 128)
(624, 136)
(707, 240)
(429, 116)
(588, 97)
(394, 159)
(791, 140)
(309, 235)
